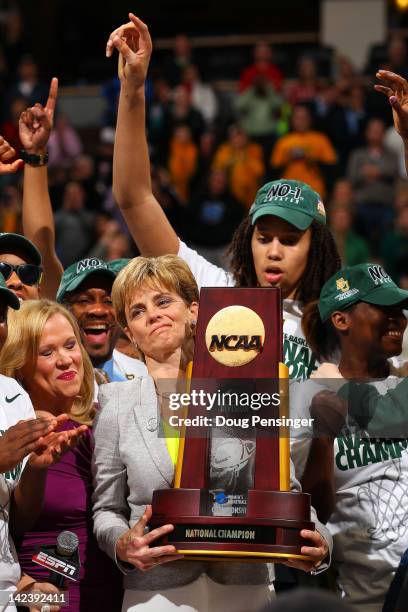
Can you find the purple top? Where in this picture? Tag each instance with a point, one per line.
(67, 506)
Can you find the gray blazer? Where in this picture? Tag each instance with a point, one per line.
(130, 462)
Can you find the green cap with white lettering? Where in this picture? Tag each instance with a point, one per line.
(366, 282)
(293, 201)
(77, 272)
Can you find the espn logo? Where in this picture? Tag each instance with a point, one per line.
(55, 564)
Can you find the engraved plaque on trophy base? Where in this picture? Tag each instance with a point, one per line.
(271, 527)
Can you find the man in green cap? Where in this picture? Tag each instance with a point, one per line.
(85, 289)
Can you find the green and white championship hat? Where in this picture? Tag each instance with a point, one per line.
(294, 201)
(366, 282)
(77, 272)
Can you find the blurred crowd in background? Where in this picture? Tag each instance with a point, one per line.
(317, 120)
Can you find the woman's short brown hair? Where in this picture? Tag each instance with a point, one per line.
(169, 271)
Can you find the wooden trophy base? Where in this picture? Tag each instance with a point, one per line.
(268, 531)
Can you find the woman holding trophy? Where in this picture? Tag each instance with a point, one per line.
(156, 301)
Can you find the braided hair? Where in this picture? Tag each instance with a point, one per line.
(322, 262)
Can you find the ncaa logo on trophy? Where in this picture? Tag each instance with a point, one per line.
(235, 336)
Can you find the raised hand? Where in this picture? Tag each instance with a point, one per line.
(55, 444)
(134, 545)
(134, 44)
(395, 87)
(22, 439)
(6, 153)
(36, 123)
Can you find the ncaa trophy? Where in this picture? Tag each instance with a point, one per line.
(231, 496)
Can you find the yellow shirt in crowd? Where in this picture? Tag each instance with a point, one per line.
(311, 148)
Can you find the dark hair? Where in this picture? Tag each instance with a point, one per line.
(323, 260)
(321, 337)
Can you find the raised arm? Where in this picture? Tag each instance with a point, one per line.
(38, 223)
(395, 87)
(132, 188)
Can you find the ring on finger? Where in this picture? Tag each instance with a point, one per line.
(46, 608)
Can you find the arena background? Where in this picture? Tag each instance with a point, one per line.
(197, 173)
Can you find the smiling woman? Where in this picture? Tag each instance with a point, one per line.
(359, 313)
(44, 353)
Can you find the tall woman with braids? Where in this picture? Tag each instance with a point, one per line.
(284, 241)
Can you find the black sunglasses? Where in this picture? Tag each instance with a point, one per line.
(29, 274)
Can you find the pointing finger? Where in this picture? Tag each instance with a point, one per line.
(52, 96)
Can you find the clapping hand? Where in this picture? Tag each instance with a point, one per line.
(54, 444)
(22, 439)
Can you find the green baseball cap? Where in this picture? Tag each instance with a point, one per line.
(10, 242)
(7, 295)
(77, 272)
(116, 265)
(366, 282)
(293, 201)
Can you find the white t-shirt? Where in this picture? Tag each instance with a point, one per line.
(297, 354)
(370, 522)
(119, 368)
(128, 367)
(15, 405)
